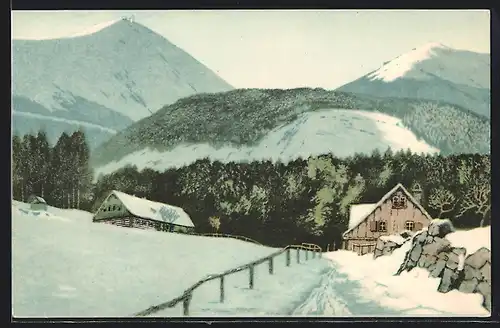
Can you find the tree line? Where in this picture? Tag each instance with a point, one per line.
(305, 200)
(60, 174)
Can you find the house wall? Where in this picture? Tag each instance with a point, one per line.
(131, 221)
(112, 207)
(395, 223)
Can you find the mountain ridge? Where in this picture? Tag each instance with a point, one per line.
(432, 72)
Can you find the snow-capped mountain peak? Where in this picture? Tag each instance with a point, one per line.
(404, 63)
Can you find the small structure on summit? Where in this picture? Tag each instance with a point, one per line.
(126, 210)
(37, 203)
(396, 212)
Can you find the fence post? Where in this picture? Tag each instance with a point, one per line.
(251, 270)
(298, 255)
(185, 304)
(307, 255)
(288, 257)
(271, 266)
(313, 254)
(222, 289)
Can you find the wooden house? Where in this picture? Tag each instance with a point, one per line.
(37, 203)
(126, 210)
(396, 212)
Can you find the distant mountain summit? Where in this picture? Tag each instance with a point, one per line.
(102, 79)
(434, 72)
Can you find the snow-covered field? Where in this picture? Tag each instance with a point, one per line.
(66, 266)
(343, 132)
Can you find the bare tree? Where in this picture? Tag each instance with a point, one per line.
(214, 222)
(477, 199)
(443, 200)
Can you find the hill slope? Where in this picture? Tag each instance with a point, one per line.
(113, 76)
(283, 121)
(435, 72)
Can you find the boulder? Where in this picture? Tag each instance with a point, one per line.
(446, 281)
(380, 244)
(420, 237)
(479, 258)
(452, 262)
(440, 228)
(387, 251)
(486, 272)
(406, 234)
(377, 253)
(416, 252)
(429, 240)
(484, 289)
(426, 260)
(438, 268)
(471, 273)
(439, 245)
(468, 286)
(459, 250)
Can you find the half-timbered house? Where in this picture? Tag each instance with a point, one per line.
(125, 210)
(396, 212)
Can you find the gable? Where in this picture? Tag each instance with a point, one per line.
(399, 190)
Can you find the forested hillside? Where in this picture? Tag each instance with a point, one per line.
(245, 116)
(306, 200)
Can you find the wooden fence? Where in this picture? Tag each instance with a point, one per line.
(186, 297)
(221, 235)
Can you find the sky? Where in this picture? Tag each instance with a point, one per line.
(283, 48)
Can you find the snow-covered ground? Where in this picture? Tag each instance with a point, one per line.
(342, 132)
(64, 265)
(369, 287)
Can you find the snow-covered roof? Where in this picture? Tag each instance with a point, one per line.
(148, 209)
(381, 201)
(358, 212)
(37, 199)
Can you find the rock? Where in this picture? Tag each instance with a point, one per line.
(440, 265)
(487, 302)
(459, 250)
(429, 240)
(410, 265)
(387, 251)
(486, 272)
(471, 273)
(390, 244)
(439, 245)
(479, 258)
(446, 281)
(452, 262)
(440, 228)
(416, 252)
(406, 234)
(426, 260)
(484, 289)
(380, 244)
(377, 253)
(468, 286)
(443, 256)
(420, 238)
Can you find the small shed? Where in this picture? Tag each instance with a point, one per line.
(37, 203)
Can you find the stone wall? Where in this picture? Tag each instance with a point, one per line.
(387, 244)
(469, 273)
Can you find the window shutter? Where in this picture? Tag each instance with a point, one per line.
(418, 226)
(373, 226)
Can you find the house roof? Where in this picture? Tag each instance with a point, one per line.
(37, 199)
(148, 209)
(358, 212)
(363, 217)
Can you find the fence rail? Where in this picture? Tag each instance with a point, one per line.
(186, 297)
(222, 235)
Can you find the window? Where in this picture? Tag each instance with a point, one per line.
(410, 225)
(114, 207)
(109, 208)
(399, 201)
(381, 226)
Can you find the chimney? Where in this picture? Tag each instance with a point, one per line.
(416, 192)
